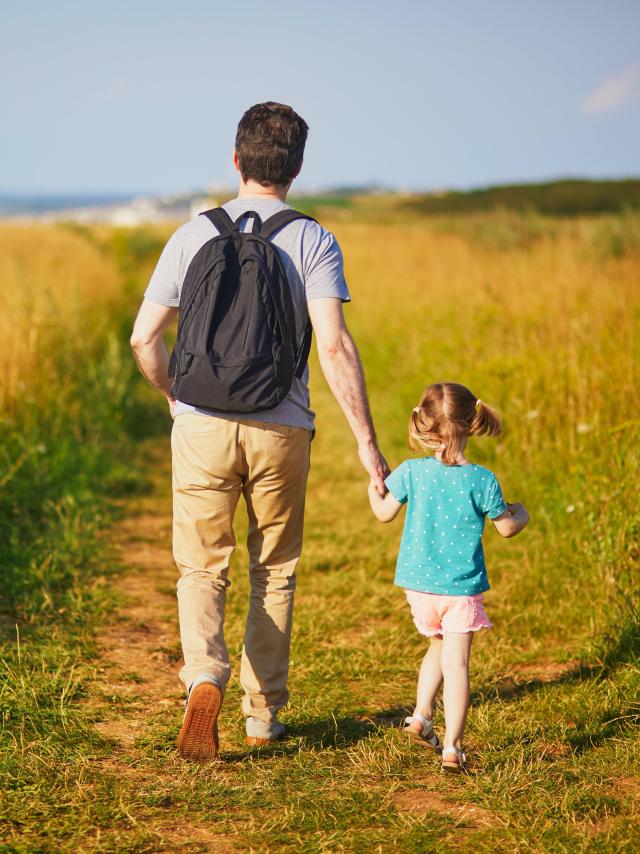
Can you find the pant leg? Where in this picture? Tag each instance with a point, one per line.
(278, 466)
(207, 482)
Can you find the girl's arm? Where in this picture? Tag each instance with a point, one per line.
(512, 521)
(384, 508)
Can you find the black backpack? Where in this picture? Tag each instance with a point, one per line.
(237, 349)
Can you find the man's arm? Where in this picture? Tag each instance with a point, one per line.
(341, 366)
(148, 345)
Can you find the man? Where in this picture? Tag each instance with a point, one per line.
(263, 456)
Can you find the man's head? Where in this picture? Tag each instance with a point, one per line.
(270, 144)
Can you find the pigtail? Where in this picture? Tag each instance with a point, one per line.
(415, 437)
(486, 421)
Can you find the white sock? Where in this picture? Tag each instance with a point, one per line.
(202, 678)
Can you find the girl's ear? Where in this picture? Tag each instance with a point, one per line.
(486, 421)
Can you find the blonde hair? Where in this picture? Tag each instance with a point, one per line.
(448, 413)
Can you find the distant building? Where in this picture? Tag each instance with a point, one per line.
(135, 213)
(176, 208)
(202, 203)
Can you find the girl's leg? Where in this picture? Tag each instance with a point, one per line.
(456, 649)
(429, 679)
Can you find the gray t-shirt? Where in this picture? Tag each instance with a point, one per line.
(314, 267)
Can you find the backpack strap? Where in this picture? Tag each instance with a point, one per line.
(303, 353)
(279, 220)
(220, 219)
(269, 228)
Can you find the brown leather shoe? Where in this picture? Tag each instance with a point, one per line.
(198, 738)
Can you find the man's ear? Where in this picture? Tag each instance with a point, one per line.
(236, 160)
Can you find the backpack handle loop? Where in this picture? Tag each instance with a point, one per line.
(257, 221)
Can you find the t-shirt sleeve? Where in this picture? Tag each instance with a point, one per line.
(494, 503)
(166, 280)
(398, 483)
(323, 265)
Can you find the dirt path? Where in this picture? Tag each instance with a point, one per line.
(137, 680)
(139, 658)
(139, 662)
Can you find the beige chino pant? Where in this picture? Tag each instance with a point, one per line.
(215, 461)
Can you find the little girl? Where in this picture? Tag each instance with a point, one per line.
(441, 562)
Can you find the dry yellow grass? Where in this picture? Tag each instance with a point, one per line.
(542, 325)
(58, 293)
(554, 325)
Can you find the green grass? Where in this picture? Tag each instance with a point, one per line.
(545, 330)
(67, 461)
(568, 197)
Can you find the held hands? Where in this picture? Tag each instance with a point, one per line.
(375, 465)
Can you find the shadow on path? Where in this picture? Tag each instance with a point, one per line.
(327, 733)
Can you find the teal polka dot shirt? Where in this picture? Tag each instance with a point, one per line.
(441, 548)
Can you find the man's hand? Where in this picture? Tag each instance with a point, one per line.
(375, 465)
(172, 406)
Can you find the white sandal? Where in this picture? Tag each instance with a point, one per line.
(426, 736)
(457, 766)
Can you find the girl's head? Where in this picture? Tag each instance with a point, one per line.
(448, 413)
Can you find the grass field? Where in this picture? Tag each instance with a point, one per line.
(540, 318)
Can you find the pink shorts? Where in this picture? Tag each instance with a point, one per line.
(434, 614)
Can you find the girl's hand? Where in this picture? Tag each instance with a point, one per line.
(384, 508)
(515, 507)
(512, 521)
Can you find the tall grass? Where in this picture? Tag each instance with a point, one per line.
(60, 294)
(68, 410)
(548, 334)
(64, 406)
(539, 318)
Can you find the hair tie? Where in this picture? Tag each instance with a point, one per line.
(417, 409)
(478, 402)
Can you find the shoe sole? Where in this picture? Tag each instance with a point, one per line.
(451, 768)
(198, 738)
(252, 741)
(417, 739)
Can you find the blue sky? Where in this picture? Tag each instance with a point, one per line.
(145, 95)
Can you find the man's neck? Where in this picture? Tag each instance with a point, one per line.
(252, 190)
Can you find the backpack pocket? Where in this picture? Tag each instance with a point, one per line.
(231, 385)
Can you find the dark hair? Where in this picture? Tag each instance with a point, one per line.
(270, 143)
(448, 413)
